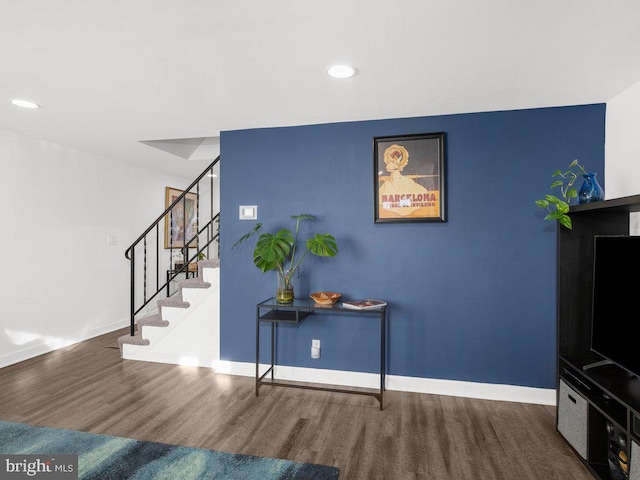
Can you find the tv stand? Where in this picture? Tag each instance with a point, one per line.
(598, 415)
(598, 409)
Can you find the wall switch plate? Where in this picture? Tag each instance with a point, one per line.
(248, 212)
(112, 240)
(315, 348)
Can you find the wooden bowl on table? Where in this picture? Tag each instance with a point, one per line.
(325, 298)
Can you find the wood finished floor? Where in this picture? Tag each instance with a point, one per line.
(88, 387)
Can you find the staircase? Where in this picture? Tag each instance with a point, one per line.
(184, 331)
(182, 327)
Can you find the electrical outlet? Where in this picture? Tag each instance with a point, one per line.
(315, 343)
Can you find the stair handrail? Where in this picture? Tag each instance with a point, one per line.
(170, 207)
(186, 263)
(130, 252)
(176, 272)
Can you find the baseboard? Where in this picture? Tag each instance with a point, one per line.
(455, 388)
(168, 357)
(488, 391)
(49, 344)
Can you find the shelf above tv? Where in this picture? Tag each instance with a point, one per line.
(622, 204)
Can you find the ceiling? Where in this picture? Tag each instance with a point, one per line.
(113, 74)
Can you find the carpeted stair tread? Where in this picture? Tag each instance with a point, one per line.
(193, 283)
(135, 340)
(176, 302)
(153, 321)
(207, 263)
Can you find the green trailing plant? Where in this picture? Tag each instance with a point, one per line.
(558, 206)
(277, 251)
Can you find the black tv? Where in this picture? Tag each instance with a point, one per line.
(616, 291)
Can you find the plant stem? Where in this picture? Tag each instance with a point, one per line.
(295, 242)
(295, 267)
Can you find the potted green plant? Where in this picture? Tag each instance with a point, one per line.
(558, 207)
(278, 252)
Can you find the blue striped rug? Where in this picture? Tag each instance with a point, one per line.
(103, 457)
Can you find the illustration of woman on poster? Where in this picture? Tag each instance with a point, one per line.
(401, 195)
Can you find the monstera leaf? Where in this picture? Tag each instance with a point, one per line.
(322, 245)
(272, 250)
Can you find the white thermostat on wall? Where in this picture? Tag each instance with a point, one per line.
(248, 212)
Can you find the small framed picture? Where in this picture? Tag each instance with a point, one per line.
(409, 178)
(182, 222)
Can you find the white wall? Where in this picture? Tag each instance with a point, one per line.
(622, 146)
(622, 149)
(59, 280)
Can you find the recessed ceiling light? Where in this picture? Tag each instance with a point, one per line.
(341, 71)
(24, 103)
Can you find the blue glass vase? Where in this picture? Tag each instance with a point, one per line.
(591, 191)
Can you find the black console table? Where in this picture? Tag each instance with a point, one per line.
(270, 311)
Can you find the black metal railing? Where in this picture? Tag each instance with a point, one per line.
(190, 239)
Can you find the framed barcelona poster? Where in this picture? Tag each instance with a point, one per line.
(409, 178)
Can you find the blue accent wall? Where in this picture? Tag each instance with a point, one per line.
(471, 299)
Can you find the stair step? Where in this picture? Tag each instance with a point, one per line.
(135, 340)
(176, 302)
(207, 263)
(153, 321)
(193, 283)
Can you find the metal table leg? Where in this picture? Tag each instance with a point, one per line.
(273, 350)
(257, 350)
(383, 333)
